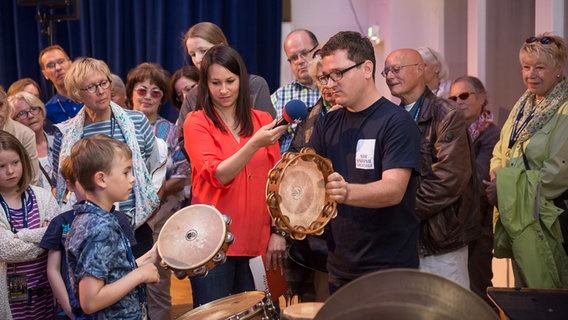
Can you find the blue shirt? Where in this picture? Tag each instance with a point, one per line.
(54, 239)
(361, 146)
(60, 108)
(97, 247)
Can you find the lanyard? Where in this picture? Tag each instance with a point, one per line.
(9, 216)
(516, 132)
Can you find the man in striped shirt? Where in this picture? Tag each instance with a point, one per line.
(299, 47)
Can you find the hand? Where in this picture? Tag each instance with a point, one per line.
(491, 191)
(268, 135)
(148, 273)
(276, 253)
(336, 187)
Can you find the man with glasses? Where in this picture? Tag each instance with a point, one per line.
(374, 148)
(54, 63)
(299, 47)
(447, 195)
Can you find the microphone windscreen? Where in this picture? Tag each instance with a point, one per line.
(295, 110)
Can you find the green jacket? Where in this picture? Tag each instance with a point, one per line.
(527, 229)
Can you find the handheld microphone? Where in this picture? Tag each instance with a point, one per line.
(294, 111)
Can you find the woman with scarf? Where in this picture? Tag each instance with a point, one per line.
(88, 81)
(529, 170)
(471, 97)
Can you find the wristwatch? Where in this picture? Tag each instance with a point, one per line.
(277, 231)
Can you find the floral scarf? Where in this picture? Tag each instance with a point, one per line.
(145, 195)
(476, 128)
(544, 110)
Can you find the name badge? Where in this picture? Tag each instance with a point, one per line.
(365, 155)
(17, 287)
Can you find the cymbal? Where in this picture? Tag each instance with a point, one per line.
(404, 294)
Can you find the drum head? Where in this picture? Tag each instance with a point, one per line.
(243, 304)
(303, 192)
(192, 236)
(404, 294)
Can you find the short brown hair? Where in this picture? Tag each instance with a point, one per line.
(19, 86)
(50, 48)
(93, 154)
(10, 143)
(147, 71)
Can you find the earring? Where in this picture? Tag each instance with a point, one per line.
(558, 76)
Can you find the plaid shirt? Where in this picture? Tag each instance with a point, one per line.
(293, 90)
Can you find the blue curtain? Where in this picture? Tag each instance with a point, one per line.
(125, 33)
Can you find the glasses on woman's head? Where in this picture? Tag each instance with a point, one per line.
(462, 96)
(543, 40)
(105, 84)
(22, 115)
(154, 93)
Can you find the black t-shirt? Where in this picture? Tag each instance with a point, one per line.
(361, 146)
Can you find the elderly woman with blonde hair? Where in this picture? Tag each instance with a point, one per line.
(88, 81)
(529, 170)
(436, 72)
(29, 110)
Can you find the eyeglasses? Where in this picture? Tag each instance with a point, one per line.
(336, 75)
(105, 84)
(154, 93)
(25, 114)
(302, 54)
(462, 96)
(543, 40)
(52, 65)
(185, 90)
(396, 69)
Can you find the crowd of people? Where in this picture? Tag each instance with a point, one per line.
(88, 179)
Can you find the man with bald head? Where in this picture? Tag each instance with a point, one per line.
(447, 187)
(299, 47)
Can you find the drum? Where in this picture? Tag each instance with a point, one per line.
(295, 193)
(301, 311)
(194, 240)
(247, 305)
(400, 294)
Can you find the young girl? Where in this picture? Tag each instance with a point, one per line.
(24, 213)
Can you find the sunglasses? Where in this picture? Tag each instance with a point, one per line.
(155, 93)
(543, 40)
(462, 96)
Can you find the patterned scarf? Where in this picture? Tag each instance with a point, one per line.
(543, 111)
(476, 128)
(145, 195)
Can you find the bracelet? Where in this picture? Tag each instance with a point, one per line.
(277, 231)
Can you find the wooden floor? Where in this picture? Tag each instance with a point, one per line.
(181, 297)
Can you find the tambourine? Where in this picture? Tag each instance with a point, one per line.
(194, 240)
(295, 193)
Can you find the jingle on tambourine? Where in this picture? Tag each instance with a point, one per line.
(295, 193)
(194, 240)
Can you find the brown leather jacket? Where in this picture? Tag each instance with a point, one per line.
(447, 199)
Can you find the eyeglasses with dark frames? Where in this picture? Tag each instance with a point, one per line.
(154, 93)
(302, 54)
(462, 96)
(396, 69)
(105, 84)
(543, 40)
(22, 115)
(336, 75)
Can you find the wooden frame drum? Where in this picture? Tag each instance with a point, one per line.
(194, 240)
(295, 193)
(250, 305)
